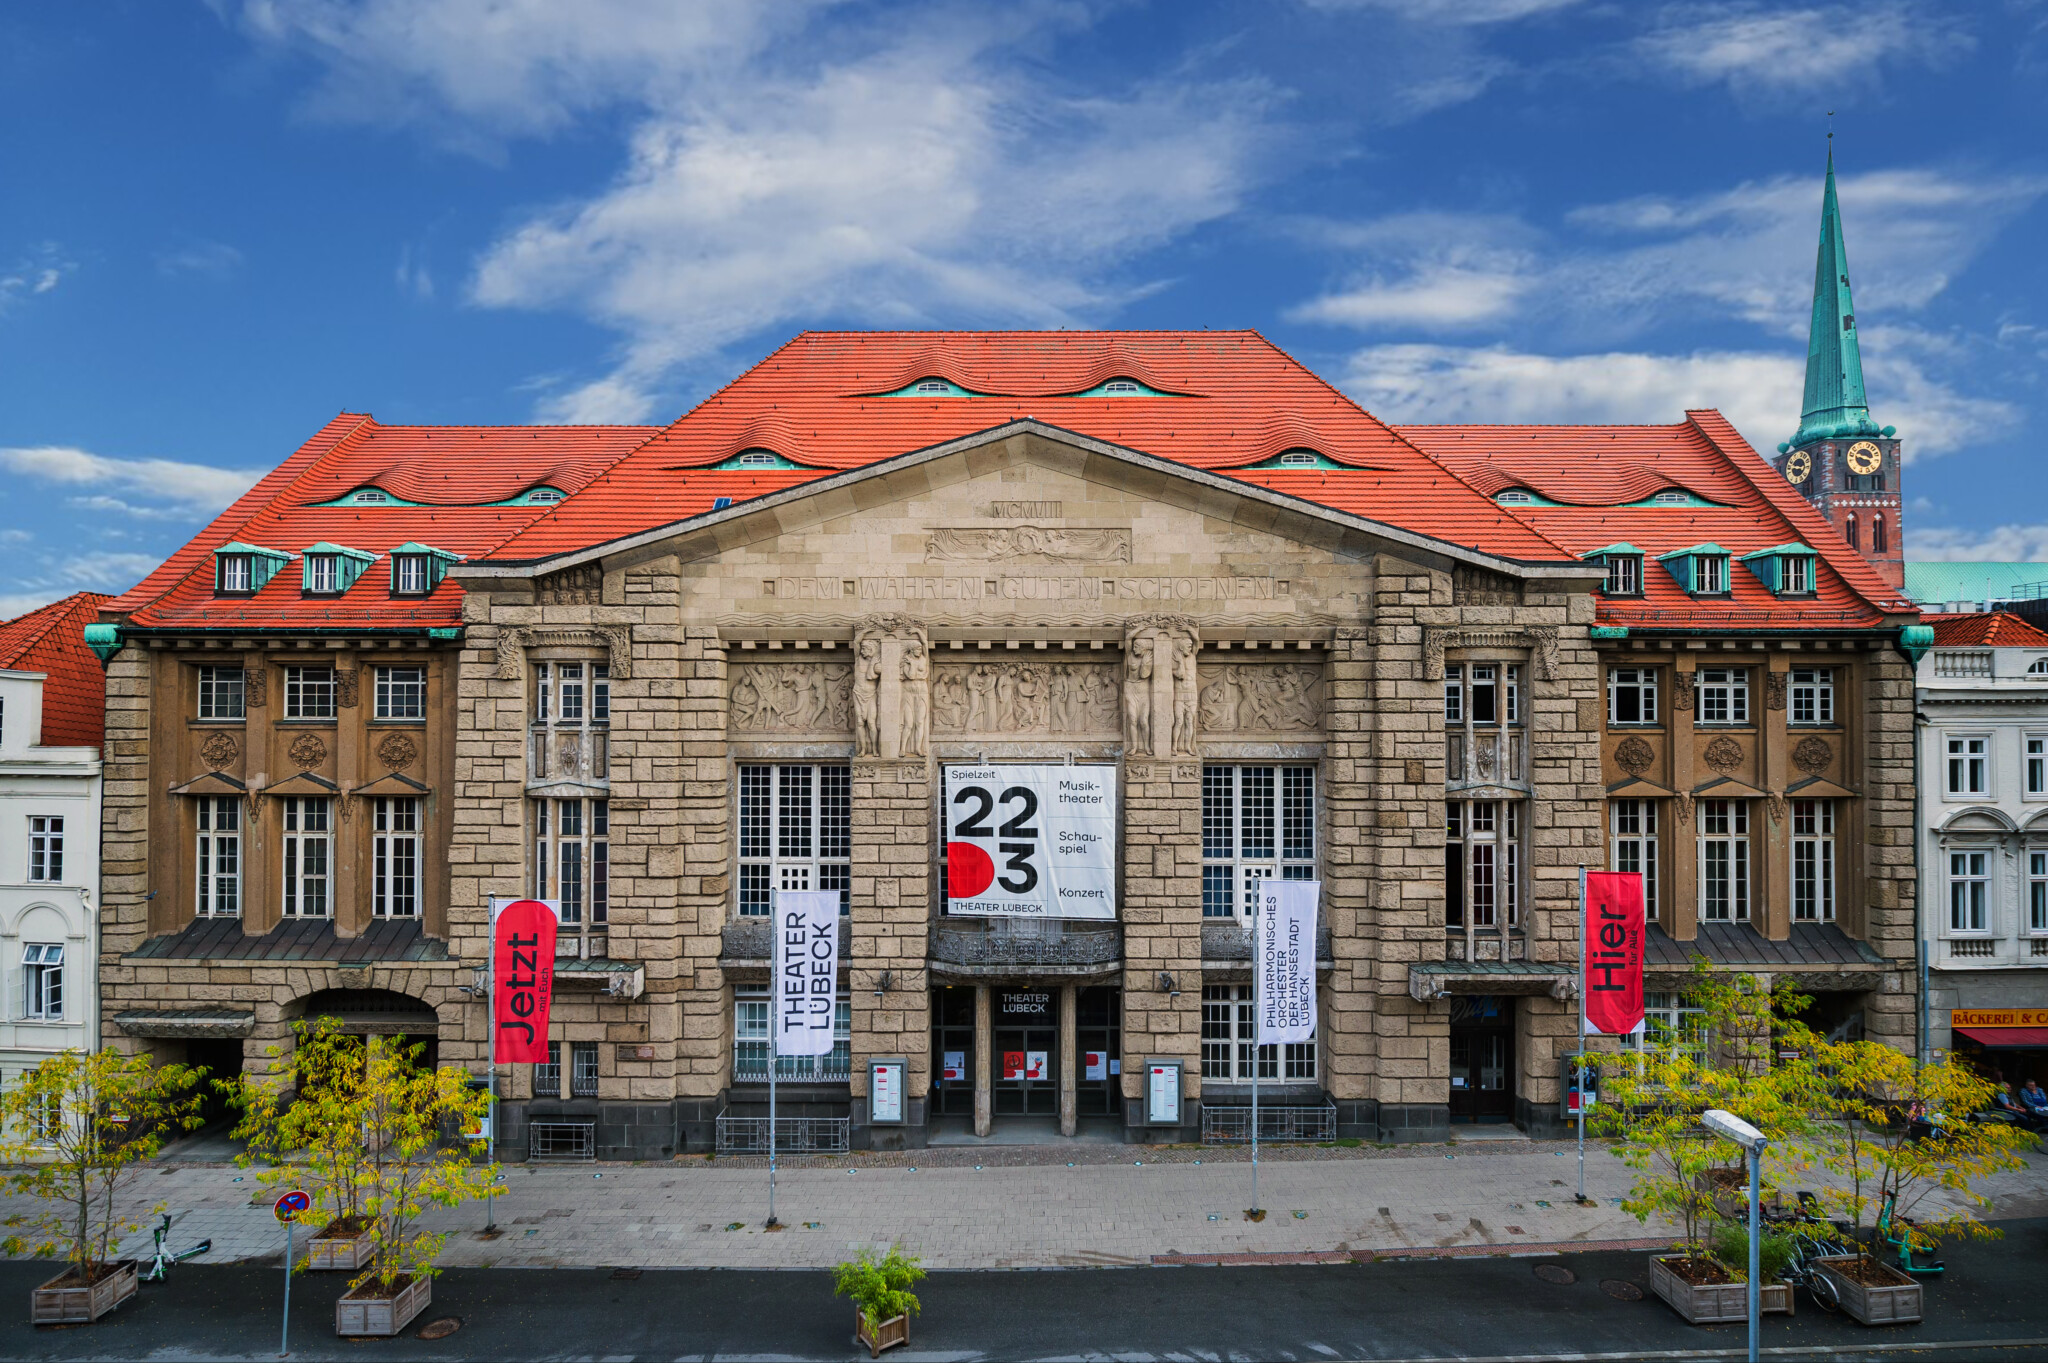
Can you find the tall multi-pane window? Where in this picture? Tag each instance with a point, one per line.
(402, 692)
(1229, 1036)
(395, 858)
(220, 855)
(1969, 762)
(1624, 574)
(1813, 695)
(1797, 571)
(309, 693)
(1813, 861)
(796, 833)
(1482, 863)
(570, 694)
(1634, 829)
(42, 969)
(1724, 860)
(2037, 765)
(323, 574)
(1710, 574)
(2037, 891)
(46, 847)
(1257, 821)
(409, 575)
(221, 693)
(750, 1041)
(1631, 695)
(306, 856)
(1969, 891)
(1487, 693)
(1880, 541)
(1723, 695)
(572, 857)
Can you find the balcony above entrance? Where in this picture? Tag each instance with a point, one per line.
(1435, 980)
(965, 950)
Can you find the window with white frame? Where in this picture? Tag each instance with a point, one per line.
(1724, 860)
(1229, 1034)
(1969, 765)
(750, 1042)
(796, 833)
(1796, 575)
(583, 1069)
(1257, 822)
(1813, 695)
(1671, 1022)
(547, 1078)
(1813, 861)
(233, 574)
(1624, 575)
(410, 575)
(1723, 695)
(309, 693)
(1969, 891)
(323, 574)
(307, 849)
(402, 692)
(569, 695)
(1482, 863)
(46, 847)
(42, 971)
(1485, 693)
(2037, 764)
(395, 857)
(2038, 668)
(572, 858)
(1709, 574)
(2037, 891)
(1633, 824)
(220, 856)
(1631, 695)
(221, 694)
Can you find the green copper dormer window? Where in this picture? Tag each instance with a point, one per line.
(244, 569)
(417, 569)
(1701, 570)
(1624, 569)
(757, 459)
(331, 569)
(1788, 569)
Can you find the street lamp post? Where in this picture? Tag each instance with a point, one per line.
(1730, 1127)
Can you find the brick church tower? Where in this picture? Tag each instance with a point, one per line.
(1841, 460)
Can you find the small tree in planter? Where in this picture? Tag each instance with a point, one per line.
(80, 1124)
(882, 1300)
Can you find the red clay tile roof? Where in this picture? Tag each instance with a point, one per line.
(52, 641)
(1984, 629)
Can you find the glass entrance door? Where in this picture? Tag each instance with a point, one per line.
(953, 1052)
(1482, 1059)
(1098, 1036)
(1027, 1074)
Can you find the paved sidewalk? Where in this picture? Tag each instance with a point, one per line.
(1121, 1205)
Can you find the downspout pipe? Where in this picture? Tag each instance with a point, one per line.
(1920, 924)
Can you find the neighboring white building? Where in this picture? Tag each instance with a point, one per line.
(1982, 694)
(52, 699)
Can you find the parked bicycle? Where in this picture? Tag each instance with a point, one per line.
(161, 1262)
(1814, 1238)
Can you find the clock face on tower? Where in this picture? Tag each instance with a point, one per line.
(1864, 458)
(1799, 467)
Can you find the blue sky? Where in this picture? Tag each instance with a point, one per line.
(223, 222)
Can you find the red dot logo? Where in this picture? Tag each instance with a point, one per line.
(969, 870)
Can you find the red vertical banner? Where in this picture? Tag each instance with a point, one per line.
(522, 982)
(1612, 974)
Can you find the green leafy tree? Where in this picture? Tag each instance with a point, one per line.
(303, 1124)
(78, 1124)
(880, 1288)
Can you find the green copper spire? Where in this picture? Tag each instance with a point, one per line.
(1835, 405)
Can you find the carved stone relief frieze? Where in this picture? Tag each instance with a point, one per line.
(255, 681)
(582, 585)
(1047, 544)
(1634, 756)
(1015, 697)
(1261, 698)
(345, 687)
(1774, 690)
(1681, 688)
(1813, 755)
(1161, 700)
(1475, 586)
(892, 692)
(514, 640)
(791, 698)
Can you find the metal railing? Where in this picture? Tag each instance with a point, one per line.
(1493, 757)
(579, 756)
(793, 1135)
(1025, 941)
(750, 1065)
(1277, 1122)
(561, 1142)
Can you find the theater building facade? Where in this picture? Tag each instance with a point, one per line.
(655, 675)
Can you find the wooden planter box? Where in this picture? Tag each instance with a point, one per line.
(339, 1247)
(354, 1315)
(887, 1335)
(57, 1302)
(1896, 1303)
(1715, 1303)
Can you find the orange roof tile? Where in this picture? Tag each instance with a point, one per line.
(51, 640)
(1985, 629)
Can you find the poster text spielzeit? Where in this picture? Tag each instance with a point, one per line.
(1031, 841)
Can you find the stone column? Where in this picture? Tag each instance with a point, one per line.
(1069, 1006)
(984, 1039)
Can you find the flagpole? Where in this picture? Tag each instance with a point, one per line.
(1258, 911)
(1581, 1053)
(490, 1054)
(772, 1067)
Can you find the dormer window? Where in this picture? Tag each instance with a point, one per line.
(331, 569)
(1701, 570)
(935, 387)
(243, 569)
(1672, 499)
(757, 459)
(2038, 668)
(1120, 386)
(371, 496)
(541, 495)
(322, 574)
(1625, 575)
(1787, 569)
(1514, 497)
(233, 575)
(416, 569)
(1299, 459)
(1796, 576)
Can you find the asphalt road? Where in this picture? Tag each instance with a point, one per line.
(1395, 1309)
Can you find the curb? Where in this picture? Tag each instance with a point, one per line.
(1511, 1250)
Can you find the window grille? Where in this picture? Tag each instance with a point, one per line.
(1229, 1029)
(1257, 822)
(572, 857)
(1483, 863)
(751, 1042)
(561, 1142)
(796, 833)
(547, 1078)
(583, 1069)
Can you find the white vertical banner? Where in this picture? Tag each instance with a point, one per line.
(1286, 964)
(806, 970)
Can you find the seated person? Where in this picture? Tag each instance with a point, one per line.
(2009, 1106)
(2034, 1098)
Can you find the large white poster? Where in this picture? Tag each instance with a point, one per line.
(1286, 964)
(1031, 841)
(806, 970)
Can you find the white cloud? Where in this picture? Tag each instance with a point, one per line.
(1953, 544)
(214, 260)
(21, 603)
(1451, 13)
(1784, 55)
(149, 487)
(1428, 270)
(105, 571)
(412, 274)
(38, 272)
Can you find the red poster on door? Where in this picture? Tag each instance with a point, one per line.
(1613, 951)
(1013, 1064)
(523, 982)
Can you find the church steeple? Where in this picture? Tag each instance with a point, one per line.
(1842, 460)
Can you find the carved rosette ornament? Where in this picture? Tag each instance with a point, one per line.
(1724, 755)
(1634, 756)
(308, 751)
(397, 752)
(219, 750)
(1813, 755)
(1162, 702)
(892, 687)
(1681, 688)
(1774, 690)
(345, 687)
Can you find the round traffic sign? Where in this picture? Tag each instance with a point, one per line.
(291, 1204)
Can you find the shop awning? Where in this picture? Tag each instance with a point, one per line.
(2006, 1038)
